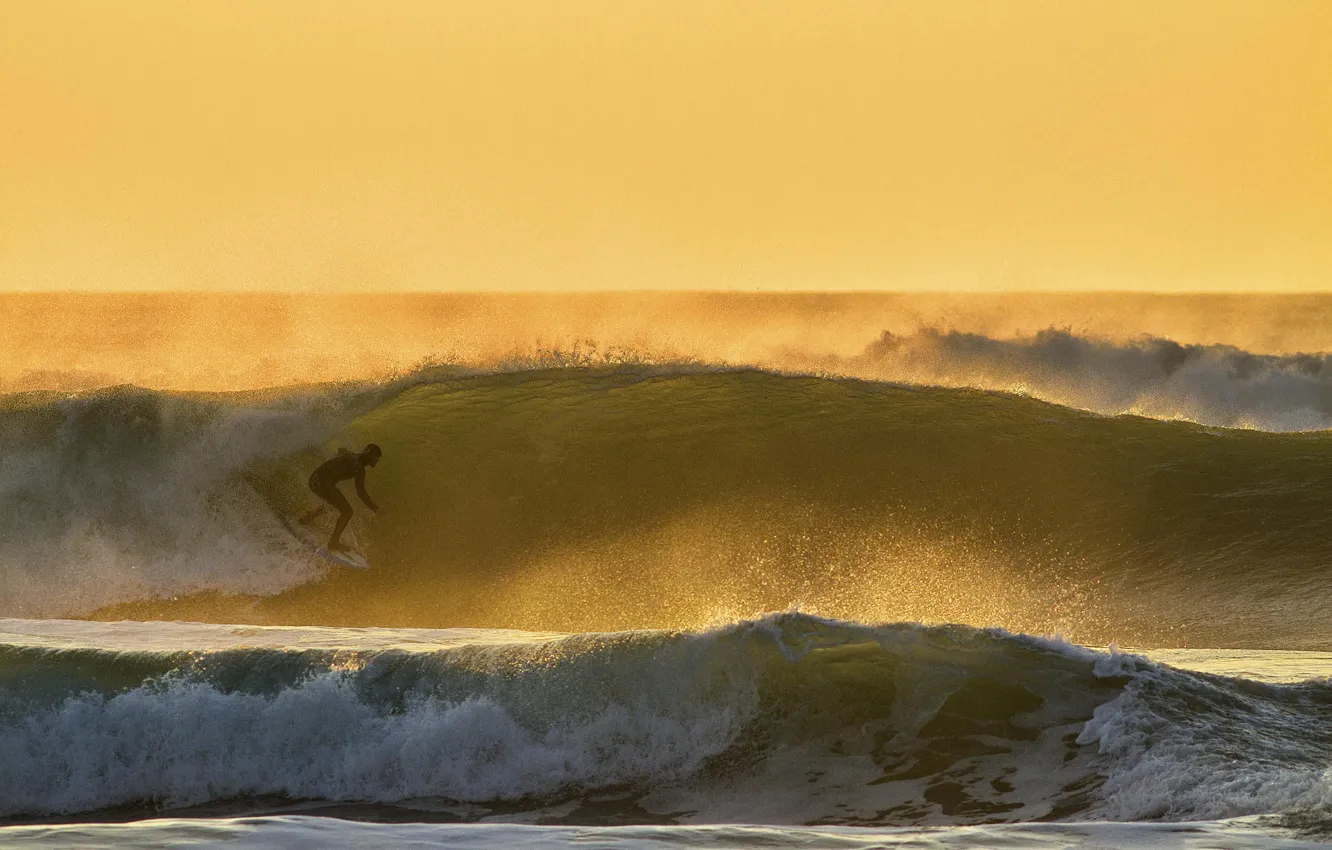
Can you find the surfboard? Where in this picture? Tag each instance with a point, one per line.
(347, 558)
(314, 541)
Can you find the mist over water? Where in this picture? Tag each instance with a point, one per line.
(1235, 361)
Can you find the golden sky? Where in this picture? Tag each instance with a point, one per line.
(497, 145)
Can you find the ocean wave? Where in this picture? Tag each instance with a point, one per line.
(1151, 376)
(788, 719)
(587, 498)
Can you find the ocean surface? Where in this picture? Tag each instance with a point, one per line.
(944, 586)
(825, 733)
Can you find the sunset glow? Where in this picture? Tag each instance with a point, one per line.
(666, 145)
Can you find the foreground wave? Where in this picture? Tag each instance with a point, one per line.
(577, 499)
(790, 719)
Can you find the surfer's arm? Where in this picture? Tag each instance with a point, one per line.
(360, 491)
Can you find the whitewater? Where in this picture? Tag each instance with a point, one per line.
(257, 736)
(946, 587)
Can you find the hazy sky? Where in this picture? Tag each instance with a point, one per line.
(480, 145)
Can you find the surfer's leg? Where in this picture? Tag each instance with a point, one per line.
(320, 489)
(339, 501)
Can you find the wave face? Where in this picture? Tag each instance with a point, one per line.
(575, 499)
(789, 719)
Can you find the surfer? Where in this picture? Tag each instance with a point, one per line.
(324, 484)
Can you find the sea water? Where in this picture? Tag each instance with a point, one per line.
(790, 730)
(977, 547)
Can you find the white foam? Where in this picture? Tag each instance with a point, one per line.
(137, 495)
(485, 719)
(1209, 384)
(1179, 746)
(189, 743)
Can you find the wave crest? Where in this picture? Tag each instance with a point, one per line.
(786, 719)
(1209, 384)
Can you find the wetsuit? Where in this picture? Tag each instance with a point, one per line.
(324, 484)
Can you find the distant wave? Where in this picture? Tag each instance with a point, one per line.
(789, 719)
(1153, 376)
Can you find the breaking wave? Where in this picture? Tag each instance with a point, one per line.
(788, 719)
(608, 497)
(1152, 376)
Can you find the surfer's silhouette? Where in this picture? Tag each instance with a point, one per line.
(324, 484)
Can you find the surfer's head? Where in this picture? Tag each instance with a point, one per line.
(371, 454)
